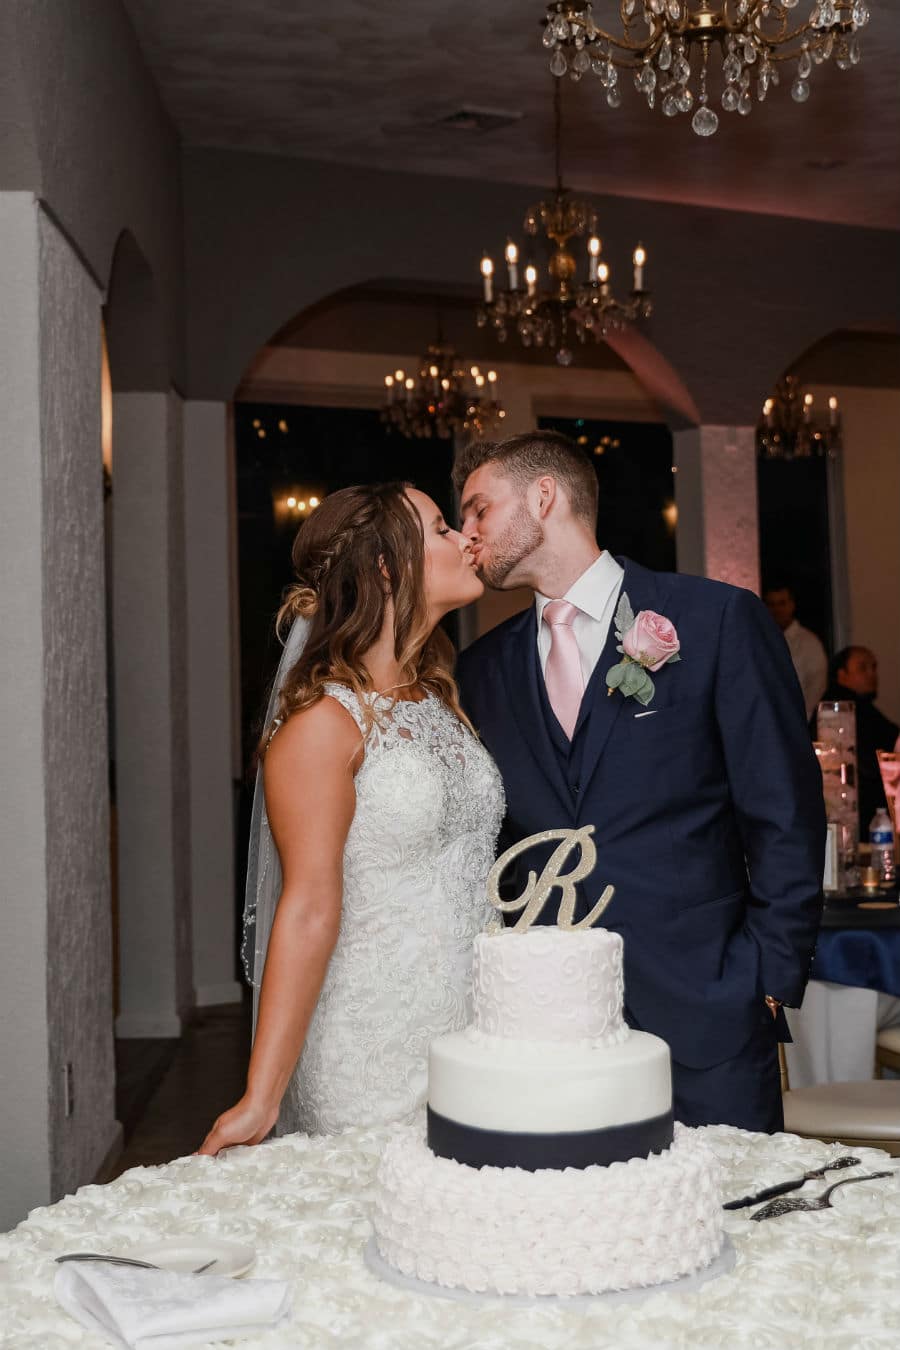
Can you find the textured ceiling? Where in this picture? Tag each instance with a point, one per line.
(363, 84)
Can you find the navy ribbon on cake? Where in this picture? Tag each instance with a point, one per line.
(477, 1147)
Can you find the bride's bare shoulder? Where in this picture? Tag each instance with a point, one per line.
(319, 734)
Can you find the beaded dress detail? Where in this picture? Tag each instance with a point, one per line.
(429, 804)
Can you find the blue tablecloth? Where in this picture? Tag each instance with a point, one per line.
(865, 958)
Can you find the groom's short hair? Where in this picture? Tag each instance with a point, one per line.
(531, 455)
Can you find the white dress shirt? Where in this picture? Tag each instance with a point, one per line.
(810, 663)
(595, 595)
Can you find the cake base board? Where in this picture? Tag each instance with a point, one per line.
(687, 1284)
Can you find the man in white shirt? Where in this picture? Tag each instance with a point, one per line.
(807, 652)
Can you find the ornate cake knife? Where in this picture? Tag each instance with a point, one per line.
(782, 1189)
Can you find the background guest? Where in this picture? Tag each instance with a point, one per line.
(807, 652)
(853, 676)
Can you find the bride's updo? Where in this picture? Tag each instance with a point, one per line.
(362, 546)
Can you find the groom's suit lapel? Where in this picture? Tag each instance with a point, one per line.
(604, 709)
(521, 672)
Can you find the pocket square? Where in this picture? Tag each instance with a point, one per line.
(652, 713)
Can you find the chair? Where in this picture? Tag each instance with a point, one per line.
(887, 1051)
(858, 1115)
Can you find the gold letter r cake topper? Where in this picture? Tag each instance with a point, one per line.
(537, 892)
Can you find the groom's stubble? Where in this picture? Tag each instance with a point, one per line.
(521, 538)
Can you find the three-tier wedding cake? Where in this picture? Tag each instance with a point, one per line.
(551, 1163)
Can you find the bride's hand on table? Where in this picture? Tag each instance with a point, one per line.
(248, 1122)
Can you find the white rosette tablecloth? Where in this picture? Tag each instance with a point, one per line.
(803, 1281)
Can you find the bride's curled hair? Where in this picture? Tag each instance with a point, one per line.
(361, 547)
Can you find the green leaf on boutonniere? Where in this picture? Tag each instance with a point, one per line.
(615, 675)
(632, 679)
(676, 656)
(624, 616)
(644, 694)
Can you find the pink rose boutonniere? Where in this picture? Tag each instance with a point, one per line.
(647, 643)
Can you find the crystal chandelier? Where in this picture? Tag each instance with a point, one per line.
(659, 40)
(545, 315)
(790, 429)
(444, 398)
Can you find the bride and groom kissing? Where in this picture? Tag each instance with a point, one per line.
(661, 709)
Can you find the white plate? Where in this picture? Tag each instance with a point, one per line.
(187, 1253)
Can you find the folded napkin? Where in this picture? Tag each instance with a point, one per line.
(164, 1310)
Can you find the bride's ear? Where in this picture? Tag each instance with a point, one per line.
(382, 567)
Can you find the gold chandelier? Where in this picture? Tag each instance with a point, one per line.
(658, 40)
(444, 397)
(546, 314)
(790, 427)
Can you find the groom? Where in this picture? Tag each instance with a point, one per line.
(696, 771)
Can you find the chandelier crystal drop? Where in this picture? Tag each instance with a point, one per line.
(790, 428)
(444, 397)
(671, 47)
(554, 311)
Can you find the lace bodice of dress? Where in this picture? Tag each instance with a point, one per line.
(429, 803)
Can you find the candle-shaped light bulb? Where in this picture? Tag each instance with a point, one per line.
(398, 376)
(593, 257)
(531, 278)
(292, 502)
(445, 383)
(433, 372)
(475, 372)
(487, 273)
(639, 259)
(409, 385)
(479, 381)
(767, 412)
(603, 277)
(512, 265)
(492, 376)
(807, 407)
(314, 502)
(832, 411)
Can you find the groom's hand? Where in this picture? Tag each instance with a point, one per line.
(248, 1122)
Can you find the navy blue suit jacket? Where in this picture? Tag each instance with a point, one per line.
(708, 815)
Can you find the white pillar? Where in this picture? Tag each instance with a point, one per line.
(207, 470)
(715, 491)
(152, 754)
(55, 923)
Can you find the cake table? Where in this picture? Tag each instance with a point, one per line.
(822, 1279)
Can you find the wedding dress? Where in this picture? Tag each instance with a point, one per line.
(429, 802)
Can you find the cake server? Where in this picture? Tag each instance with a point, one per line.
(783, 1187)
(823, 1201)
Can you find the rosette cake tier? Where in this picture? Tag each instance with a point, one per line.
(552, 1165)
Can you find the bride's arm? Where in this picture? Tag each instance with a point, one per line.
(310, 800)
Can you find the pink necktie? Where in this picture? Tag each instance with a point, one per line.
(565, 685)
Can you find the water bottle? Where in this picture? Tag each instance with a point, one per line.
(881, 839)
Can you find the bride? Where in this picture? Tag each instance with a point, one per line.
(384, 811)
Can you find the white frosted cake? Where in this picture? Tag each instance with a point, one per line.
(551, 1165)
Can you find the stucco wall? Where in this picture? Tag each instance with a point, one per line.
(79, 980)
(87, 132)
(55, 997)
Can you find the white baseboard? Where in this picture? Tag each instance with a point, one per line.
(207, 995)
(140, 1026)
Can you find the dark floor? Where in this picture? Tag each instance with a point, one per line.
(169, 1092)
